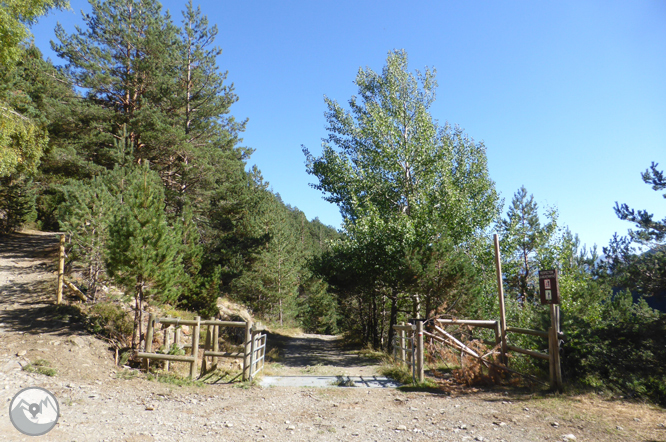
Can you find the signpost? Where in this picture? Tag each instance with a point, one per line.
(549, 290)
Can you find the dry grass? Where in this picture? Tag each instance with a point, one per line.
(645, 422)
(290, 332)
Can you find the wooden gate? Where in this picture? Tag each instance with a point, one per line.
(257, 350)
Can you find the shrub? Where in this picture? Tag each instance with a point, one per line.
(111, 321)
(623, 353)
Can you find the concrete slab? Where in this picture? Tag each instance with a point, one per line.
(329, 381)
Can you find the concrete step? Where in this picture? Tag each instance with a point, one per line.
(329, 381)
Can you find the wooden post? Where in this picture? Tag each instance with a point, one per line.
(216, 344)
(149, 339)
(167, 344)
(419, 350)
(207, 346)
(246, 350)
(498, 335)
(500, 291)
(402, 344)
(554, 347)
(253, 349)
(61, 270)
(263, 351)
(176, 337)
(195, 347)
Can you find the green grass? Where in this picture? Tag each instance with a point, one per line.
(311, 369)
(403, 374)
(127, 374)
(41, 366)
(247, 384)
(399, 373)
(370, 353)
(272, 369)
(428, 385)
(173, 379)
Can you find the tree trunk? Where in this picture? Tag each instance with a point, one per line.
(392, 321)
(375, 324)
(140, 314)
(416, 309)
(136, 321)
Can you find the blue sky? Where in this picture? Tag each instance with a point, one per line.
(569, 97)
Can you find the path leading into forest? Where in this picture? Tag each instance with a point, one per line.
(311, 360)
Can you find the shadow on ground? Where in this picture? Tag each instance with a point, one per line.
(29, 246)
(312, 351)
(28, 286)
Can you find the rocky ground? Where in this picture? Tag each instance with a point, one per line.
(98, 403)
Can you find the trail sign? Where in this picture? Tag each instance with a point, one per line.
(548, 287)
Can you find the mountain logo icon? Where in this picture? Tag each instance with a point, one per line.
(34, 411)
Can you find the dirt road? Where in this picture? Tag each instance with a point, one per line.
(97, 403)
(324, 355)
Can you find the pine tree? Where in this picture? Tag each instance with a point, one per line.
(85, 216)
(272, 280)
(124, 61)
(143, 250)
(523, 237)
(638, 262)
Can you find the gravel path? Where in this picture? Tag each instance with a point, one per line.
(97, 405)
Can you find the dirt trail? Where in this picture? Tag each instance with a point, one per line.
(324, 355)
(99, 403)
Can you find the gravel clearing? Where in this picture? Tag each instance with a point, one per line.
(97, 405)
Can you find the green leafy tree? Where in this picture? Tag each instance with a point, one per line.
(15, 17)
(393, 157)
(22, 142)
(400, 180)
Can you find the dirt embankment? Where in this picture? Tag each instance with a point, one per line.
(98, 404)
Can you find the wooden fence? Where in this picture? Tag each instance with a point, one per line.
(211, 346)
(500, 329)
